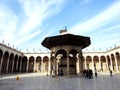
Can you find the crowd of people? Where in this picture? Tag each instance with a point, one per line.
(86, 73)
(89, 73)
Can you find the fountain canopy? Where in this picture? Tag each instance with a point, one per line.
(66, 39)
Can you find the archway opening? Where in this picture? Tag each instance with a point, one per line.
(61, 56)
(24, 64)
(4, 63)
(38, 64)
(103, 64)
(118, 60)
(96, 63)
(11, 58)
(45, 64)
(72, 62)
(31, 64)
(89, 62)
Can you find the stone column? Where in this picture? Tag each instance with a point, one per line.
(93, 65)
(42, 65)
(1, 64)
(17, 64)
(116, 63)
(55, 66)
(111, 63)
(85, 64)
(13, 64)
(68, 65)
(7, 64)
(27, 65)
(34, 65)
(77, 64)
(20, 64)
(107, 63)
(49, 68)
(80, 64)
(99, 63)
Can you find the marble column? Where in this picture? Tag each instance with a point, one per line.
(68, 65)
(27, 67)
(34, 69)
(99, 64)
(13, 64)
(80, 64)
(49, 66)
(17, 64)
(85, 64)
(116, 63)
(20, 64)
(93, 65)
(107, 63)
(41, 65)
(8, 59)
(111, 63)
(1, 64)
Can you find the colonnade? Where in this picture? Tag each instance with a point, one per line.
(102, 62)
(12, 61)
(9, 63)
(36, 64)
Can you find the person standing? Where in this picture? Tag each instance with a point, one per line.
(96, 73)
(111, 73)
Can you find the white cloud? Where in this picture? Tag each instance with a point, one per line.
(8, 23)
(21, 26)
(99, 20)
(106, 30)
(36, 12)
(112, 28)
(28, 37)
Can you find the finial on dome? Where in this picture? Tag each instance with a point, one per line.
(63, 31)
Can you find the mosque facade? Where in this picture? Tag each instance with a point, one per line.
(15, 61)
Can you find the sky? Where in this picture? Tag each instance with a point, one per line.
(25, 23)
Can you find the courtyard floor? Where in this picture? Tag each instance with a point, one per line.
(36, 81)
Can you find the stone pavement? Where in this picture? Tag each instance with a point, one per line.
(41, 82)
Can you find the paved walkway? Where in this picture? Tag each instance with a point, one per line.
(38, 82)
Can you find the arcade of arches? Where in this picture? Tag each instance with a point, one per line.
(11, 62)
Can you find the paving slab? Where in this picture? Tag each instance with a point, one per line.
(43, 82)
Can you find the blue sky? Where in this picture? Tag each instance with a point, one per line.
(25, 23)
